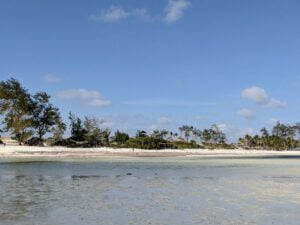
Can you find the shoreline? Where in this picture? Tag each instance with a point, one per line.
(63, 152)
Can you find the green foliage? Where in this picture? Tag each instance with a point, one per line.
(16, 106)
(186, 131)
(148, 143)
(120, 137)
(77, 130)
(93, 134)
(87, 133)
(58, 131)
(283, 137)
(218, 146)
(161, 134)
(227, 146)
(1, 142)
(186, 145)
(213, 136)
(62, 142)
(141, 133)
(44, 115)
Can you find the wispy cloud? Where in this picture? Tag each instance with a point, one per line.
(88, 97)
(247, 114)
(50, 78)
(111, 15)
(175, 10)
(259, 96)
(117, 13)
(274, 103)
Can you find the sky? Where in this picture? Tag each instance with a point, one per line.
(158, 64)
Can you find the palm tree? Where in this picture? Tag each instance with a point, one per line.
(197, 134)
(186, 131)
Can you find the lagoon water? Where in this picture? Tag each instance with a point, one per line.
(154, 191)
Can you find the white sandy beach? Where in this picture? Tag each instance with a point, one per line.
(27, 151)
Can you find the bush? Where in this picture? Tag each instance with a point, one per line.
(34, 141)
(148, 143)
(62, 142)
(219, 146)
(120, 137)
(183, 145)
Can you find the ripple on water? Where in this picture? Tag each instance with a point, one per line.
(150, 192)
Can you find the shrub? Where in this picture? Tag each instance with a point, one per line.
(120, 137)
(183, 145)
(148, 143)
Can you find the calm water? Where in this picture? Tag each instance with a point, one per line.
(175, 191)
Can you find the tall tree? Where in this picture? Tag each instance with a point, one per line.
(264, 132)
(16, 106)
(77, 130)
(93, 135)
(58, 131)
(206, 136)
(186, 131)
(161, 134)
(218, 137)
(121, 137)
(44, 115)
(197, 133)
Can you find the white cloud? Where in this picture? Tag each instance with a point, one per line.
(247, 114)
(89, 97)
(117, 13)
(272, 121)
(255, 94)
(50, 78)
(274, 103)
(99, 102)
(111, 15)
(259, 96)
(175, 10)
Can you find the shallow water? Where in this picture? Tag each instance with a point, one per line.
(153, 191)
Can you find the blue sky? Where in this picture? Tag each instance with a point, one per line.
(158, 64)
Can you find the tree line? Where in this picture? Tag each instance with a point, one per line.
(281, 136)
(29, 118)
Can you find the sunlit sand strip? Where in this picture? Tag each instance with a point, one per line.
(26, 151)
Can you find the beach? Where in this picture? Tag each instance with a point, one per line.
(61, 152)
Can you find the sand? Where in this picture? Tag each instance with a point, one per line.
(26, 151)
